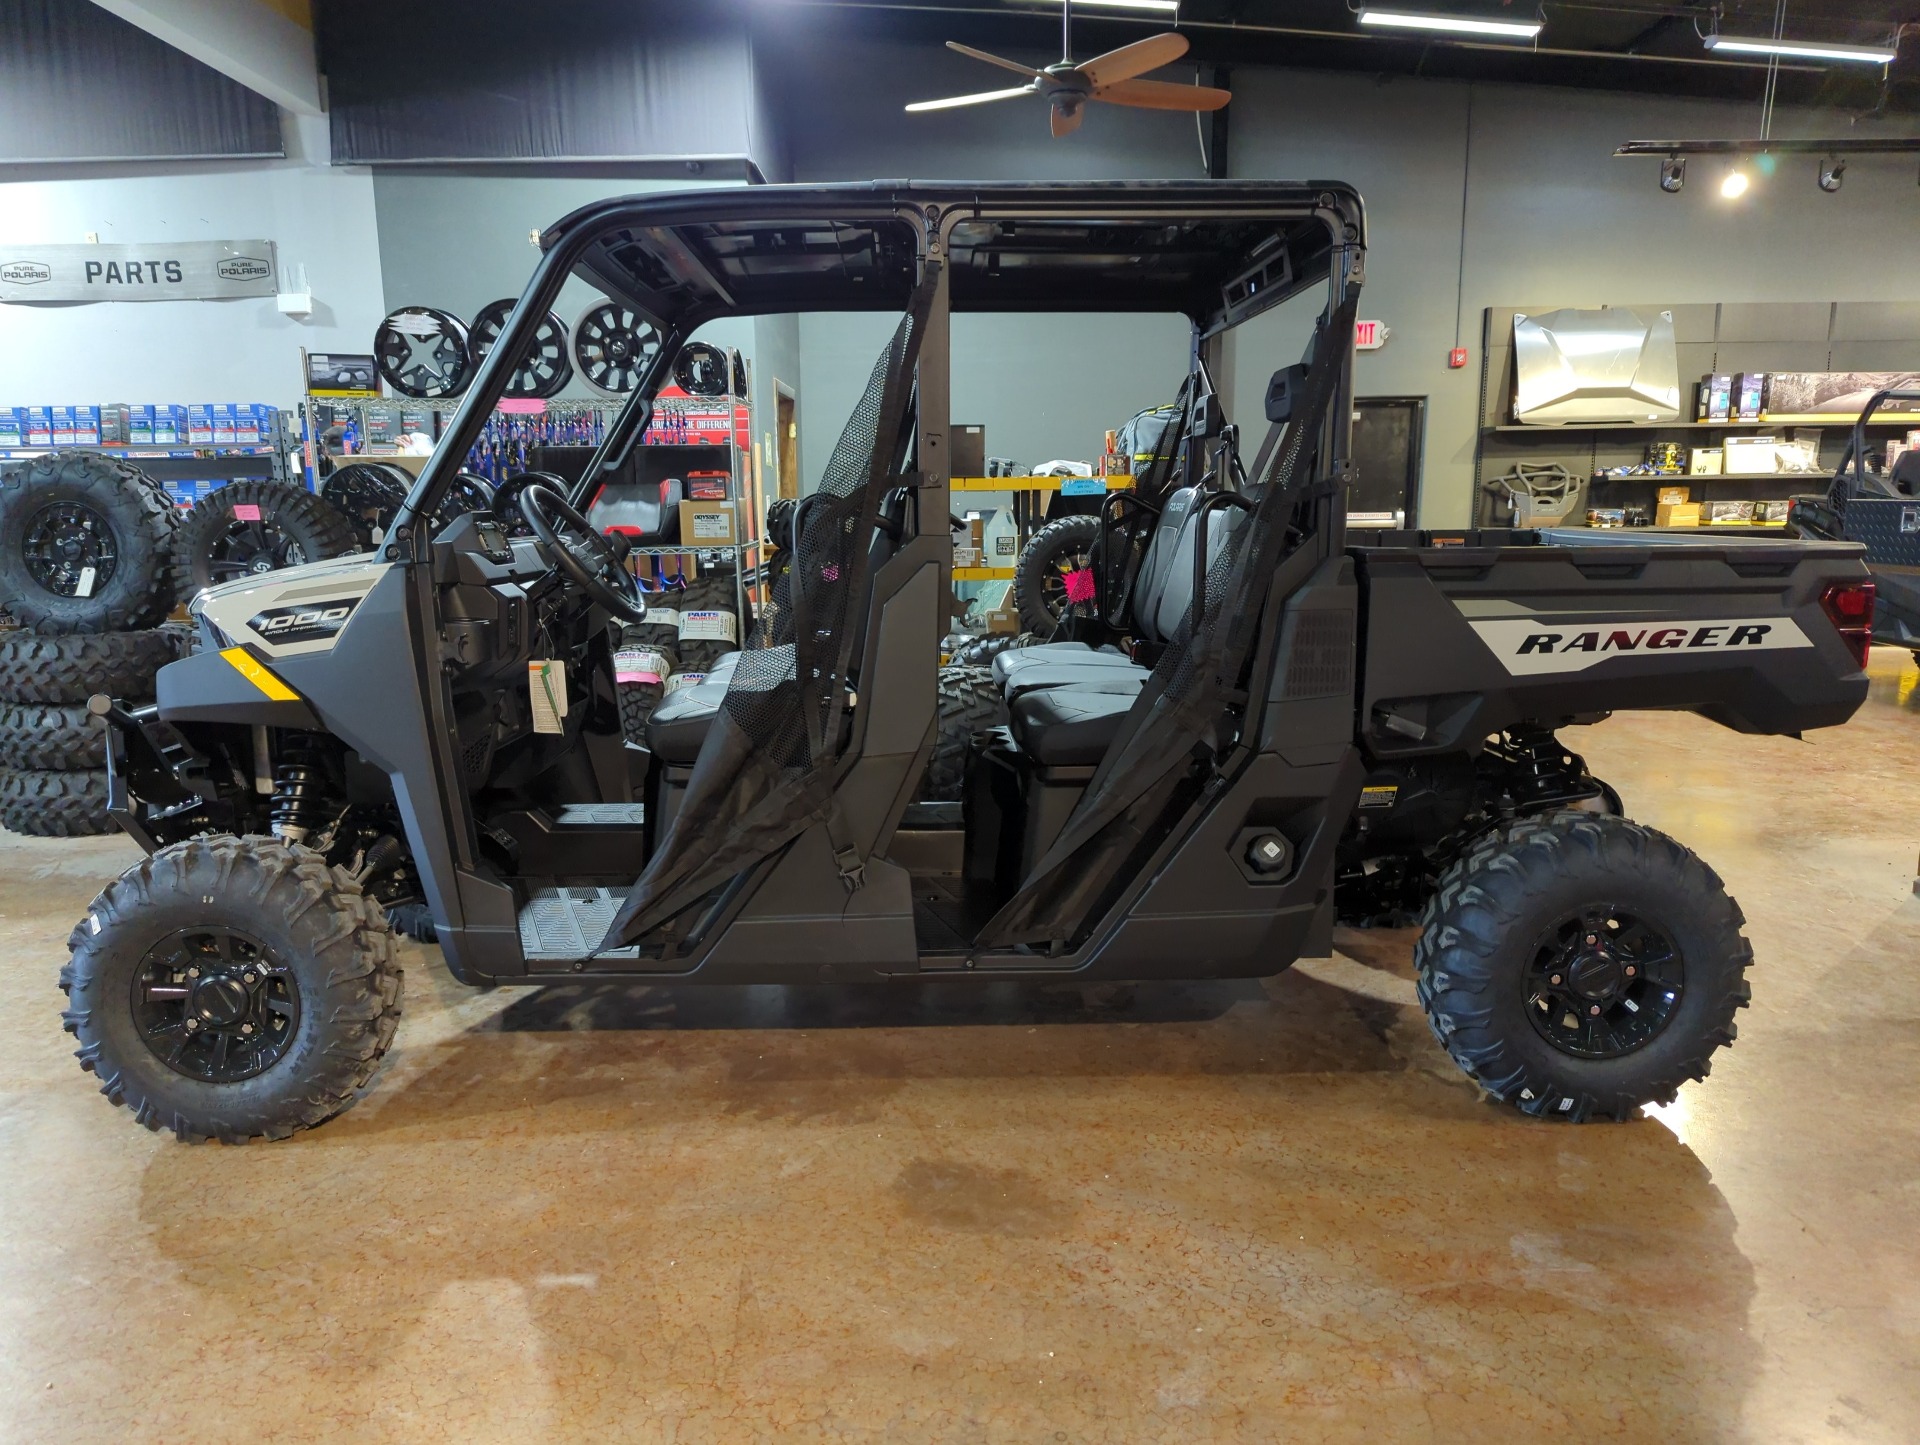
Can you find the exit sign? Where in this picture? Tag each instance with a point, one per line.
(1370, 335)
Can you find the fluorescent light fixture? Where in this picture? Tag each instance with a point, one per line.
(1451, 24)
(1162, 5)
(1801, 49)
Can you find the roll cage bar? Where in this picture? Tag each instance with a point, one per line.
(1218, 252)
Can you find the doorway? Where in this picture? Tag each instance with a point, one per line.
(1388, 432)
(786, 439)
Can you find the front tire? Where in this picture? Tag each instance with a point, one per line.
(1580, 966)
(232, 989)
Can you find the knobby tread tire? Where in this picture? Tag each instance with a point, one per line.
(72, 669)
(1037, 561)
(322, 529)
(50, 803)
(333, 938)
(981, 651)
(970, 702)
(138, 512)
(51, 735)
(1486, 917)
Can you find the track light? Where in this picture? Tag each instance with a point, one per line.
(1163, 5)
(1452, 24)
(1832, 170)
(1801, 49)
(1735, 185)
(1673, 173)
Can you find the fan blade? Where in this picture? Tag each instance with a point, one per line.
(1066, 122)
(1163, 95)
(980, 99)
(1012, 65)
(1131, 60)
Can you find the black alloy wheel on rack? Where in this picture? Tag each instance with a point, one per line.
(701, 369)
(613, 345)
(545, 370)
(424, 353)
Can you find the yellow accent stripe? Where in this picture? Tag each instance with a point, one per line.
(254, 673)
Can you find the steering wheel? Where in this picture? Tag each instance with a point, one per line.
(601, 573)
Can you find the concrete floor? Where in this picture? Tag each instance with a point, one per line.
(1253, 1211)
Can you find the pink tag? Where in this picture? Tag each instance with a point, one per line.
(636, 677)
(522, 406)
(1080, 586)
(246, 511)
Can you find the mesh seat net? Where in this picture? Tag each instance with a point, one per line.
(1156, 764)
(765, 769)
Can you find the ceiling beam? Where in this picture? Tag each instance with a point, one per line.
(265, 45)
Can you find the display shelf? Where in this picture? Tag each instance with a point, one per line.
(1031, 484)
(983, 574)
(1908, 422)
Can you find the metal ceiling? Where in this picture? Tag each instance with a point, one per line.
(1632, 45)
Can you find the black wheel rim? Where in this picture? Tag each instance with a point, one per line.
(61, 542)
(1068, 576)
(215, 1004)
(1603, 982)
(246, 549)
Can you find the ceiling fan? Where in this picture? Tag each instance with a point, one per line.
(1111, 78)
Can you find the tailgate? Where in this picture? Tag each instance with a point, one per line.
(1461, 642)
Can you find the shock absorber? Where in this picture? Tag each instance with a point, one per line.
(299, 786)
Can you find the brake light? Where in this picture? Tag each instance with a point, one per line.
(1849, 607)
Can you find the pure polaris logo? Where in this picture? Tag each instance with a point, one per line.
(243, 268)
(1529, 645)
(25, 273)
(319, 622)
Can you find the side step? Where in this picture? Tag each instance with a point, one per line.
(602, 815)
(564, 925)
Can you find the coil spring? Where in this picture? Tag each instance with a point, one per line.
(299, 804)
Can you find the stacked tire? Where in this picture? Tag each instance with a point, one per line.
(688, 629)
(87, 572)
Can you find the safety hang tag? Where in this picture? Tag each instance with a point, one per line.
(547, 685)
(709, 626)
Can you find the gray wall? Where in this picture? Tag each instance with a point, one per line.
(1551, 218)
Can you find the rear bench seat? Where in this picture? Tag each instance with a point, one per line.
(1066, 707)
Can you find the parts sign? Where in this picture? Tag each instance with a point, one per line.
(183, 271)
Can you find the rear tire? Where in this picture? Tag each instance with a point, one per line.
(970, 702)
(49, 803)
(86, 544)
(1559, 1029)
(232, 933)
(73, 669)
(51, 735)
(294, 527)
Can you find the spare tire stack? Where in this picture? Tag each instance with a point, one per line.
(87, 571)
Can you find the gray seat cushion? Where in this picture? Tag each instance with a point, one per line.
(1066, 727)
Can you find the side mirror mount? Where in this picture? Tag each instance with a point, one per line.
(1284, 390)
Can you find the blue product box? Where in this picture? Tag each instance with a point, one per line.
(222, 414)
(169, 424)
(86, 425)
(60, 425)
(139, 424)
(246, 424)
(13, 427)
(199, 425)
(186, 493)
(266, 416)
(39, 426)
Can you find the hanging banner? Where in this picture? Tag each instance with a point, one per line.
(182, 271)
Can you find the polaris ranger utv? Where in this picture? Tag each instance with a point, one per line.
(1309, 730)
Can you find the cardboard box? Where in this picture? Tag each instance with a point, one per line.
(1726, 514)
(1719, 397)
(1671, 495)
(1750, 456)
(709, 524)
(966, 557)
(1749, 396)
(709, 486)
(1677, 514)
(1706, 462)
(1771, 514)
(1606, 516)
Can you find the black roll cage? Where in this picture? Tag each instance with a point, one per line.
(1329, 241)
